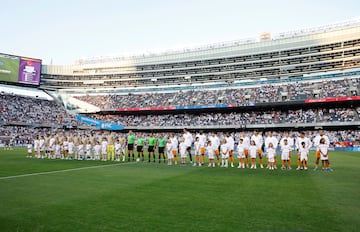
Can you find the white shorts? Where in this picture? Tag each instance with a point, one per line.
(285, 156)
(303, 157)
(224, 156)
(324, 157)
(170, 155)
(104, 151)
(183, 155)
(271, 159)
(211, 156)
(241, 156)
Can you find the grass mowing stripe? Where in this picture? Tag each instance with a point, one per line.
(60, 171)
(158, 197)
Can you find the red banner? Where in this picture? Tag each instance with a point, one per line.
(333, 99)
(161, 108)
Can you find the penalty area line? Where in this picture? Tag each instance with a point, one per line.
(61, 171)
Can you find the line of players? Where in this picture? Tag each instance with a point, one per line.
(58, 146)
(111, 147)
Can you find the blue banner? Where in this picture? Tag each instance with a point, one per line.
(194, 107)
(354, 149)
(99, 124)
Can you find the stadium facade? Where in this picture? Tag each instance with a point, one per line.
(288, 55)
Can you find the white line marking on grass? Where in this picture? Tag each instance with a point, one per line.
(60, 171)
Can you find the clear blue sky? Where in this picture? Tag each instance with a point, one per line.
(65, 30)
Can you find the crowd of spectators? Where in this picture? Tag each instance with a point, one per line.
(235, 118)
(239, 96)
(34, 111)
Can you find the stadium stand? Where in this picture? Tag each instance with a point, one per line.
(32, 111)
(237, 97)
(249, 117)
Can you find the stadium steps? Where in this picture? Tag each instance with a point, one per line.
(78, 105)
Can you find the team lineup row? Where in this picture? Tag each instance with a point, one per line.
(248, 149)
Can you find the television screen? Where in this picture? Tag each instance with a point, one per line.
(17, 69)
(9, 68)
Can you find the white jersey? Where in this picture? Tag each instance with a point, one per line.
(188, 139)
(210, 152)
(272, 140)
(36, 145)
(66, 145)
(29, 148)
(202, 139)
(285, 152)
(230, 142)
(97, 149)
(306, 140)
(241, 150)
(104, 147)
(317, 139)
(51, 144)
(289, 140)
(197, 146)
(88, 149)
(246, 142)
(182, 148)
(80, 149)
(42, 144)
(271, 154)
(71, 147)
(253, 151)
(174, 143)
(168, 149)
(57, 150)
(258, 140)
(323, 148)
(215, 142)
(118, 148)
(304, 152)
(224, 149)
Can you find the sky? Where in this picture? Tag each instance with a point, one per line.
(59, 32)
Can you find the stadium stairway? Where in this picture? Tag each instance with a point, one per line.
(74, 105)
(81, 106)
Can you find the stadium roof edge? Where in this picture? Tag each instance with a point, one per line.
(283, 35)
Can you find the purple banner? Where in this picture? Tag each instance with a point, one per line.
(29, 71)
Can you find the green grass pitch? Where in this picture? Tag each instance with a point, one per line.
(11, 65)
(157, 197)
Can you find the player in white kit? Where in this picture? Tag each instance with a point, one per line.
(271, 154)
(183, 148)
(286, 152)
(259, 141)
(169, 153)
(241, 153)
(211, 154)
